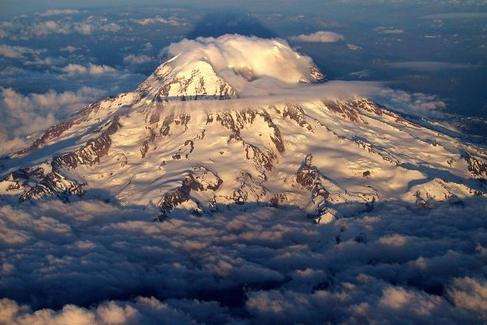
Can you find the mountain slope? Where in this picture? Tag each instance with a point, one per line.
(194, 136)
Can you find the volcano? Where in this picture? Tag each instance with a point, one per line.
(243, 120)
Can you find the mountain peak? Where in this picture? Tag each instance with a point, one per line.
(228, 66)
(192, 80)
(333, 157)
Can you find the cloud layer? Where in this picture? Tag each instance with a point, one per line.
(395, 263)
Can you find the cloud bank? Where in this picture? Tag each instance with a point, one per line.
(257, 264)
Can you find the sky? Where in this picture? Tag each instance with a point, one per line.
(423, 59)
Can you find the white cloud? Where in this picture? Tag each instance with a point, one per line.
(411, 103)
(275, 263)
(249, 64)
(49, 27)
(319, 37)
(93, 69)
(55, 25)
(47, 61)
(111, 27)
(16, 52)
(84, 28)
(388, 30)
(57, 12)
(92, 25)
(69, 49)
(21, 115)
(137, 59)
(354, 47)
(158, 20)
(138, 311)
(470, 294)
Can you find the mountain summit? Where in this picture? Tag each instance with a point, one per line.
(206, 130)
(227, 67)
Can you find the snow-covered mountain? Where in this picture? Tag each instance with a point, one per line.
(213, 126)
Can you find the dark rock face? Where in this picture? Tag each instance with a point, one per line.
(250, 189)
(58, 130)
(38, 182)
(53, 178)
(296, 113)
(262, 158)
(199, 179)
(366, 145)
(54, 183)
(91, 152)
(475, 165)
(346, 110)
(309, 177)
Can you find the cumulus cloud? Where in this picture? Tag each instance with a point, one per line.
(111, 27)
(275, 264)
(388, 30)
(16, 52)
(49, 27)
(470, 294)
(21, 115)
(158, 20)
(142, 310)
(353, 47)
(46, 61)
(69, 49)
(95, 24)
(57, 12)
(93, 69)
(411, 103)
(137, 59)
(56, 23)
(319, 37)
(84, 28)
